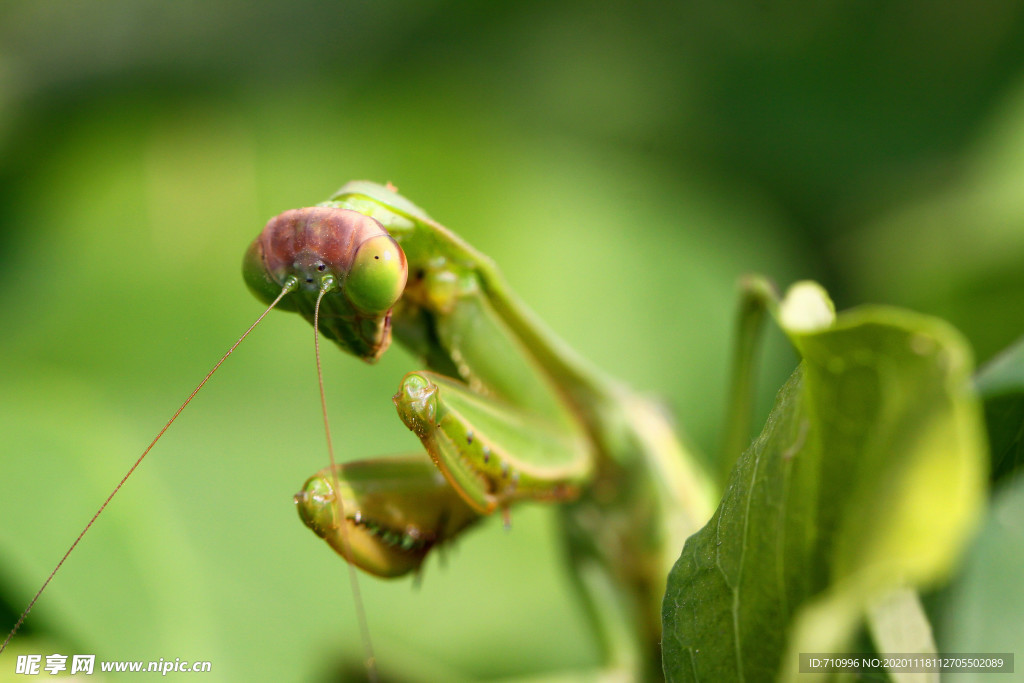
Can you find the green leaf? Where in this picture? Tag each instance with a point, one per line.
(867, 477)
(1001, 386)
(980, 610)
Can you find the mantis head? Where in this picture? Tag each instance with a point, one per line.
(347, 254)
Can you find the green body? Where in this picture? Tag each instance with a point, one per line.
(507, 413)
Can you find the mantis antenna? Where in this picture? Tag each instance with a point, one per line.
(289, 284)
(327, 284)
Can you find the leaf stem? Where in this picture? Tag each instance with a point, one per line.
(756, 295)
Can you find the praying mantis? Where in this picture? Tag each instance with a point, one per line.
(506, 412)
(633, 493)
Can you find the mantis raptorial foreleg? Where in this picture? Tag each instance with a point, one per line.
(505, 411)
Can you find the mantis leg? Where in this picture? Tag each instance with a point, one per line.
(493, 454)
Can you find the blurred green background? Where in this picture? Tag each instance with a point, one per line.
(623, 162)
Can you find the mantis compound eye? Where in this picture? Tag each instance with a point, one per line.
(377, 276)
